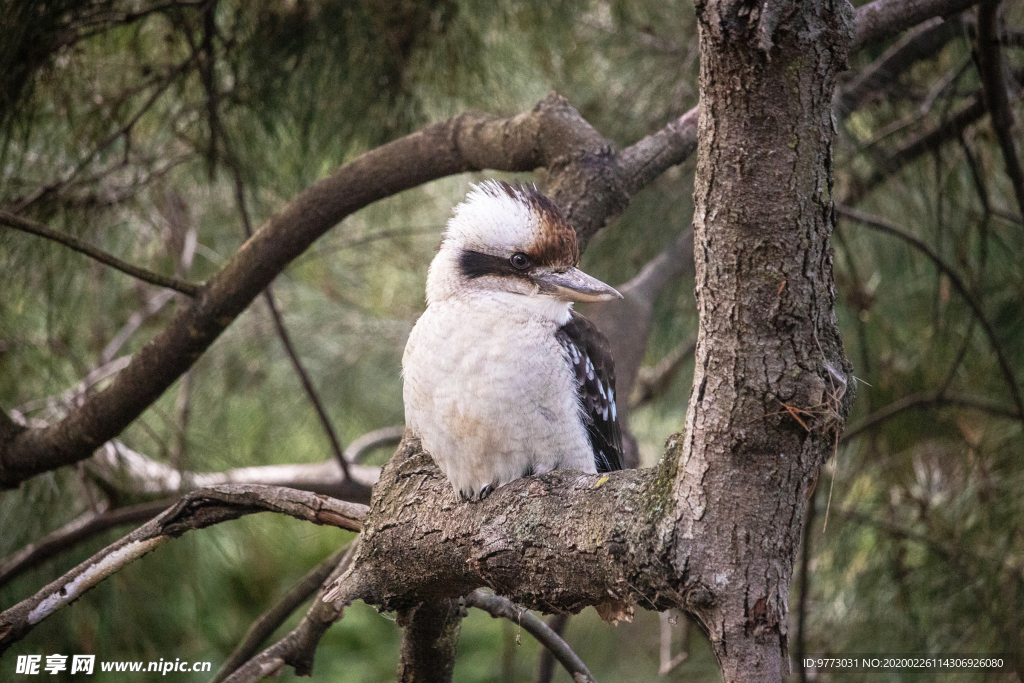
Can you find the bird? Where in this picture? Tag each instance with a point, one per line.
(502, 379)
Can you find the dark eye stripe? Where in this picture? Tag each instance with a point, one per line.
(476, 264)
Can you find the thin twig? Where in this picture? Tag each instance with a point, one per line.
(269, 621)
(197, 510)
(282, 333)
(654, 381)
(500, 607)
(36, 228)
(882, 225)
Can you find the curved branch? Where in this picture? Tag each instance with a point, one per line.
(587, 181)
(881, 225)
(500, 607)
(76, 532)
(269, 621)
(197, 510)
(370, 441)
(36, 228)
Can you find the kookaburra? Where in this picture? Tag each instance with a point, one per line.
(502, 378)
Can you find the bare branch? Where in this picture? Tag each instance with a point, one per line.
(997, 98)
(885, 18)
(500, 607)
(36, 228)
(269, 621)
(430, 639)
(196, 510)
(76, 532)
(882, 225)
(546, 663)
(127, 470)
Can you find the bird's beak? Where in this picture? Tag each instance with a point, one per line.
(574, 285)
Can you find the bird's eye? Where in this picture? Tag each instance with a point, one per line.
(520, 261)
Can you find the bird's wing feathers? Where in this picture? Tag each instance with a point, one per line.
(592, 361)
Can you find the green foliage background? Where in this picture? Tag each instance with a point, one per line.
(110, 132)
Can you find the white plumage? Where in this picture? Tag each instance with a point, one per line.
(491, 385)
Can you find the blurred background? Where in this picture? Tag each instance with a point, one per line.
(132, 125)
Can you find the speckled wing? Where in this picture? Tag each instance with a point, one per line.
(591, 358)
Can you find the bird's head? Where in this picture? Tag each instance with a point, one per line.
(513, 241)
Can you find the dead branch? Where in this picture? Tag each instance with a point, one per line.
(75, 532)
(126, 470)
(997, 98)
(500, 607)
(197, 510)
(882, 225)
(298, 648)
(36, 228)
(269, 621)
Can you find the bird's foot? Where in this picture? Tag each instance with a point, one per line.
(486, 491)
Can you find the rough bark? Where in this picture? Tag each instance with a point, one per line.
(768, 337)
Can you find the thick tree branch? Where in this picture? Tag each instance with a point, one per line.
(76, 532)
(197, 510)
(997, 98)
(500, 607)
(958, 283)
(269, 621)
(36, 228)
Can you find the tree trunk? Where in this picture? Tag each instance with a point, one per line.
(771, 377)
